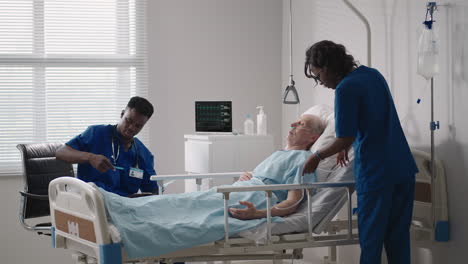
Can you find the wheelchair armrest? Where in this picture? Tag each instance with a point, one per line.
(35, 196)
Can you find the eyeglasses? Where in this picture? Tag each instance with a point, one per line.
(316, 77)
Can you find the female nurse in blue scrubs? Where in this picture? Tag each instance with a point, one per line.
(384, 167)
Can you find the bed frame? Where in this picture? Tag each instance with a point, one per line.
(79, 223)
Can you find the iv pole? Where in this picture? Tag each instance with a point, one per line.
(431, 7)
(441, 227)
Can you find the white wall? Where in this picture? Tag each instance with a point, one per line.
(394, 26)
(198, 50)
(211, 50)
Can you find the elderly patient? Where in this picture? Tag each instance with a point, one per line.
(281, 168)
(157, 225)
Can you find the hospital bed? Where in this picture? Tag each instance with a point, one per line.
(80, 224)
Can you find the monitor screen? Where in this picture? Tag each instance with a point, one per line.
(213, 116)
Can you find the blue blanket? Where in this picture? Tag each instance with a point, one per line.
(157, 225)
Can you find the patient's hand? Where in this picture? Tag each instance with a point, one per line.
(246, 176)
(246, 214)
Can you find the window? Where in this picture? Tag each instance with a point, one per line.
(65, 65)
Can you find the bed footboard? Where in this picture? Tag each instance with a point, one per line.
(79, 220)
(79, 223)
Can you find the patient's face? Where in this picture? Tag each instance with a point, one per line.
(301, 133)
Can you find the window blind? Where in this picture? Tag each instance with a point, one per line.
(65, 65)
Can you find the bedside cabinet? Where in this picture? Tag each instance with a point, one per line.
(224, 153)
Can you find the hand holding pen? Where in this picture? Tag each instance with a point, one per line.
(101, 163)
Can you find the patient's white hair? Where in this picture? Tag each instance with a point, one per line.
(315, 123)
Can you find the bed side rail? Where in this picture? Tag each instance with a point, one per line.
(268, 189)
(164, 180)
(275, 187)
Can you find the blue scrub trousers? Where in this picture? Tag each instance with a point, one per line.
(384, 218)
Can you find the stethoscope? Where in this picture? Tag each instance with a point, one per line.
(115, 156)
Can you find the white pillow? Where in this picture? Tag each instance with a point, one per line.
(325, 113)
(321, 110)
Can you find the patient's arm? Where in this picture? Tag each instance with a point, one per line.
(284, 208)
(71, 155)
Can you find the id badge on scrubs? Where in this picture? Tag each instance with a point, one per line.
(136, 173)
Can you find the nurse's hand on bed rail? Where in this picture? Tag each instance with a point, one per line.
(100, 163)
(245, 176)
(342, 159)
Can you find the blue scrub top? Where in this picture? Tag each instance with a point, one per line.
(98, 139)
(364, 109)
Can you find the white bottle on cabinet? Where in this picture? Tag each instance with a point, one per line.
(261, 121)
(249, 125)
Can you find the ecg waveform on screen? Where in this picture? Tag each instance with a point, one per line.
(213, 116)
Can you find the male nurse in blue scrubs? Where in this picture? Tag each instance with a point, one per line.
(111, 156)
(384, 167)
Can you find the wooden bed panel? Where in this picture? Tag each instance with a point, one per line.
(74, 225)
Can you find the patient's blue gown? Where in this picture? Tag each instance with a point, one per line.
(157, 225)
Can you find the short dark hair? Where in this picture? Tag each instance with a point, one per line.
(327, 54)
(141, 105)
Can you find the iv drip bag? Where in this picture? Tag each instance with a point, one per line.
(428, 51)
